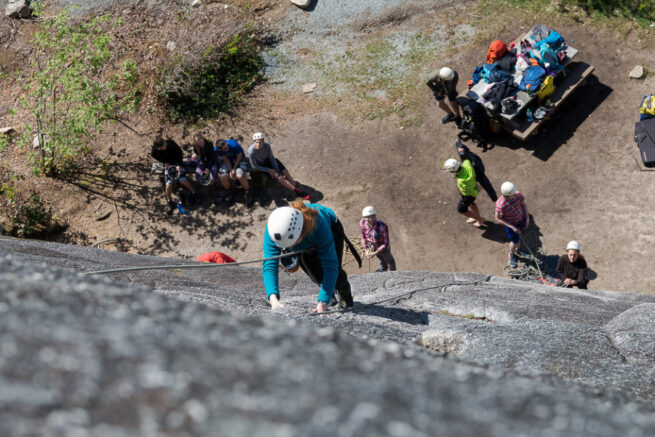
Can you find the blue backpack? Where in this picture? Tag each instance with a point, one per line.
(487, 69)
(477, 74)
(548, 55)
(533, 76)
(499, 75)
(554, 40)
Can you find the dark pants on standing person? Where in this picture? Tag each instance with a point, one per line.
(485, 183)
(386, 260)
(310, 262)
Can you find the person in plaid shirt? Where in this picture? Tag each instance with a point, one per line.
(512, 212)
(375, 239)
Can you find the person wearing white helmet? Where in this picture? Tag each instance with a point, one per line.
(263, 161)
(468, 189)
(444, 84)
(375, 239)
(572, 267)
(315, 231)
(512, 211)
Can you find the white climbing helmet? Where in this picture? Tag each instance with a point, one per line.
(284, 226)
(573, 245)
(368, 211)
(508, 189)
(446, 73)
(451, 165)
(258, 136)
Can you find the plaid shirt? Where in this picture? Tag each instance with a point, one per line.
(376, 236)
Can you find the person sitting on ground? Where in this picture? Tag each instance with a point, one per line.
(468, 188)
(375, 239)
(316, 231)
(233, 167)
(572, 267)
(169, 153)
(480, 175)
(512, 211)
(262, 159)
(444, 84)
(207, 160)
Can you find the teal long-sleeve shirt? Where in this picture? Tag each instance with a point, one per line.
(321, 238)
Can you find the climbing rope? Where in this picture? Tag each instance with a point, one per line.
(400, 296)
(533, 266)
(189, 266)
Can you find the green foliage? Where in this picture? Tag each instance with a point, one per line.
(74, 88)
(24, 217)
(642, 10)
(193, 87)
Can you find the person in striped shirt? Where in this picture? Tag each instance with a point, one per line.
(512, 212)
(375, 239)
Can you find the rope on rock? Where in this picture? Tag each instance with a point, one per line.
(400, 296)
(189, 266)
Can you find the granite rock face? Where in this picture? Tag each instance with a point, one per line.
(197, 352)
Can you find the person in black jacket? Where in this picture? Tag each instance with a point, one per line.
(478, 166)
(169, 153)
(572, 267)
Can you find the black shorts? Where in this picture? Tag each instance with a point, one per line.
(464, 204)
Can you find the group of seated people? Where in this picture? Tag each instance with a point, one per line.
(222, 165)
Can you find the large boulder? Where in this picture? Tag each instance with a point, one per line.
(18, 9)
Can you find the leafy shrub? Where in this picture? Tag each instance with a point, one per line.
(193, 87)
(72, 89)
(24, 217)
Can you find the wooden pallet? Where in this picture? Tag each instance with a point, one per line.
(575, 77)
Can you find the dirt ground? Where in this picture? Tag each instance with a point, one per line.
(579, 175)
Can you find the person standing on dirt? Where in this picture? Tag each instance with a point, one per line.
(480, 175)
(572, 267)
(233, 167)
(262, 160)
(444, 84)
(315, 231)
(468, 188)
(169, 153)
(207, 160)
(512, 211)
(375, 239)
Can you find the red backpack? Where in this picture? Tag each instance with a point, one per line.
(496, 51)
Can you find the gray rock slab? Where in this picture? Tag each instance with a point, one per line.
(633, 334)
(83, 355)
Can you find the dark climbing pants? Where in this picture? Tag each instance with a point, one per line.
(310, 262)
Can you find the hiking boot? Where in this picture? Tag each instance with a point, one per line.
(250, 199)
(512, 260)
(522, 253)
(345, 297)
(379, 271)
(172, 205)
(448, 118)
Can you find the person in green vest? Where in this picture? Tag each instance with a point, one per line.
(468, 188)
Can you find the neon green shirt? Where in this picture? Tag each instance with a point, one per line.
(466, 182)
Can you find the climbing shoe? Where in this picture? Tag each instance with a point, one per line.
(512, 260)
(345, 297)
(522, 253)
(448, 118)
